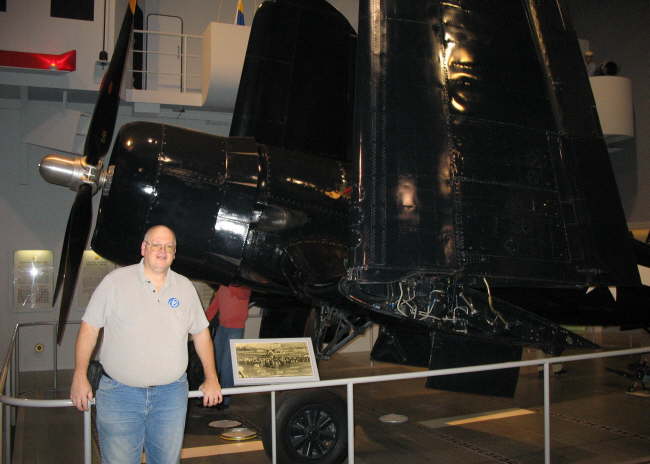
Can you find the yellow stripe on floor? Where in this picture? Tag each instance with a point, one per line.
(216, 450)
(472, 418)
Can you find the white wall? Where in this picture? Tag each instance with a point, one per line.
(27, 26)
(196, 14)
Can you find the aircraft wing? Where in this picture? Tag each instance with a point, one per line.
(474, 141)
(479, 150)
(296, 88)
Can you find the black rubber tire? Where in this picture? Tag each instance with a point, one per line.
(311, 428)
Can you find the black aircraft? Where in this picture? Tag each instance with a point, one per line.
(442, 173)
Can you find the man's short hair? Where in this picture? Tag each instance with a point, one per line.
(150, 229)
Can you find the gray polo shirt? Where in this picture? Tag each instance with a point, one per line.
(145, 331)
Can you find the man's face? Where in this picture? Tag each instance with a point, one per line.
(158, 249)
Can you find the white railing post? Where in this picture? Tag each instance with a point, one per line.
(184, 63)
(273, 427)
(350, 398)
(55, 354)
(7, 432)
(88, 456)
(15, 370)
(547, 415)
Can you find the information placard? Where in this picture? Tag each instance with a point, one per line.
(33, 281)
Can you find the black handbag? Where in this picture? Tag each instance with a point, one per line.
(95, 372)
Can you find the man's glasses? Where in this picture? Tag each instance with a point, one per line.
(160, 246)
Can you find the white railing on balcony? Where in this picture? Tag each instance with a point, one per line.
(10, 400)
(171, 65)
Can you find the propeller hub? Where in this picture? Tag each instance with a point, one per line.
(70, 171)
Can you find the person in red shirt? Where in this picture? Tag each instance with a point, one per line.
(230, 303)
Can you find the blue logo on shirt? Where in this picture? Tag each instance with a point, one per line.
(173, 303)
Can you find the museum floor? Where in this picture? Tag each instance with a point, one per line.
(593, 420)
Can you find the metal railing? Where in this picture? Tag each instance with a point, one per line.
(189, 66)
(11, 401)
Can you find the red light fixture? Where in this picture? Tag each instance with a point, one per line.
(40, 61)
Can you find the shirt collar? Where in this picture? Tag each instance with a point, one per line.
(171, 275)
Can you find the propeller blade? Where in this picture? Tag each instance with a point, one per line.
(74, 244)
(61, 274)
(100, 131)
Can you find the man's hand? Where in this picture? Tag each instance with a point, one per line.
(211, 392)
(210, 387)
(81, 392)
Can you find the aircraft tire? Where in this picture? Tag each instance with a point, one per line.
(311, 428)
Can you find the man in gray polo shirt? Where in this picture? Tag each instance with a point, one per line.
(147, 311)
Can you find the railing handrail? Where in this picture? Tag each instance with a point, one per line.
(26, 402)
(7, 359)
(181, 52)
(173, 34)
(9, 401)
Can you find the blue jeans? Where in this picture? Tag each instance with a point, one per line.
(224, 361)
(131, 418)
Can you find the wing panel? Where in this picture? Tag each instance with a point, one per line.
(296, 85)
(478, 151)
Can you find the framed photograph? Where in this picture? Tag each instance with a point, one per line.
(273, 360)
